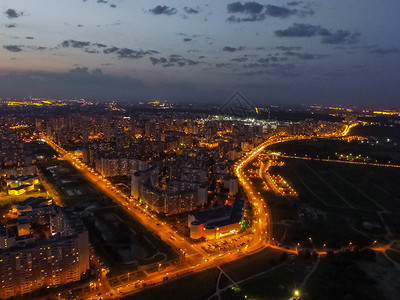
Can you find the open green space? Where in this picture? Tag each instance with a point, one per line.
(312, 183)
(195, 286)
(396, 245)
(360, 187)
(391, 132)
(362, 191)
(382, 152)
(395, 255)
(252, 264)
(341, 278)
(277, 284)
(337, 203)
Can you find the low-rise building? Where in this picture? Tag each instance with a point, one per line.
(216, 223)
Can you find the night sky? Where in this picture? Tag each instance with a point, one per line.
(274, 52)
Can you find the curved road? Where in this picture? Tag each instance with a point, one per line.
(196, 259)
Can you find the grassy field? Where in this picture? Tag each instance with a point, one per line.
(337, 203)
(324, 148)
(365, 188)
(277, 284)
(347, 197)
(394, 255)
(202, 285)
(252, 264)
(196, 286)
(341, 279)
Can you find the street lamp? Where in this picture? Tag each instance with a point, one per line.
(296, 295)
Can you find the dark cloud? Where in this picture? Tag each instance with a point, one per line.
(173, 60)
(74, 44)
(19, 48)
(191, 62)
(187, 39)
(255, 11)
(102, 1)
(11, 25)
(279, 11)
(223, 65)
(110, 50)
(328, 37)
(247, 7)
(37, 48)
(294, 3)
(264, 60)
(190, 10)
(305, 56)
(78, 82)
(240, 59)
(340, 37)
(113, 6)
(13, 14)
(308, 56)
(163, 10)
(92, 48)
(285, 48)
(252, 10)
(134, 54)
(252, 18)
(91, 51)
(13, 48)
(29, 37)
(298, 30)
(156, 61)
(232, 49)
(385, 51)
(128, 53)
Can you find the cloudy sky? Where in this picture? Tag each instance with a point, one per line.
(274, 52)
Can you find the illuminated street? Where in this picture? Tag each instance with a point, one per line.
(199, 150)
(193, 256)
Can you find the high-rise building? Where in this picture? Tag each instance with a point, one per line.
(45, 247)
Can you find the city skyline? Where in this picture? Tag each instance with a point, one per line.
(274, 52)
(107, 200)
